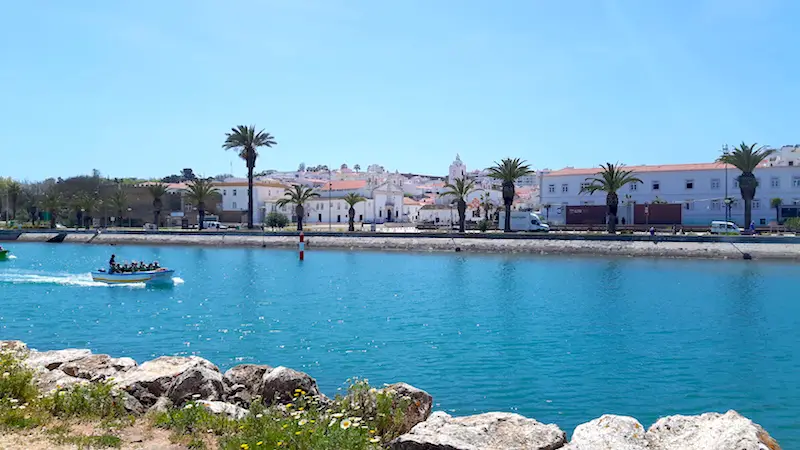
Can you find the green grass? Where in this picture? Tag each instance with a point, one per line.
(92, 441)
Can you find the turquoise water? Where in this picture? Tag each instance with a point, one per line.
(560, 339)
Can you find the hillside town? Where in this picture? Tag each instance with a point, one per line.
(692, 194)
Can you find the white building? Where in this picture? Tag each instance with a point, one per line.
(457, 170)
(701, 189)
(234, 197)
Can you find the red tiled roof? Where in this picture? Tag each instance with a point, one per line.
(342, 185)
(410, 201)
(646, 168)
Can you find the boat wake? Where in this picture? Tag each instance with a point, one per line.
(63, 279)
(177, 280)
(11, 257)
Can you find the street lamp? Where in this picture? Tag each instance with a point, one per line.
(728, 204)
(725, 153)
(129, 216)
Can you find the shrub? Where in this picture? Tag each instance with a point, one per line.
(792, 223)
(93, 401)
(276, 220)
(483, 225)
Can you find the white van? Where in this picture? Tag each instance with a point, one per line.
(722, 227)
(523, 221)
(213, 225)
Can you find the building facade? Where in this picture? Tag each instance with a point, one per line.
(701, 189)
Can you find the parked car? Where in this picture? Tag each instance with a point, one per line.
(214, 225)
(722, 227)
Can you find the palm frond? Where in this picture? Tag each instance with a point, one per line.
(610, 179)
(747, 157)
(509, 170)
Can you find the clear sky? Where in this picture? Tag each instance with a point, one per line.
(147, 87)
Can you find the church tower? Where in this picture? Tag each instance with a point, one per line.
(457, 170)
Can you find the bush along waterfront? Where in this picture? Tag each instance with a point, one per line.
(261, 407)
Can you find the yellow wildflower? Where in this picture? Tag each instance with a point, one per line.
(374, 440)
(297, 433)
(289, 405)
(371, 431)
(260, 443)
(244, 446)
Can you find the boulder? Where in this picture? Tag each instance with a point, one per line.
(232, 411)
(162, 404)
(49, 381)
(709, 431)
(419, 408)
(132, 405)
(279, 384)
(248, 375)
(98, 367)
(609, 432)
(19, 348)
(154, 379)
(490, 431)
(238, 394)
(199, 382)
(54, 359)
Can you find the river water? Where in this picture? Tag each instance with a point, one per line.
(560, 339)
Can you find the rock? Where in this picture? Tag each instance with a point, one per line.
(98, 367)
(279, 384)
(49, 381)
(248, 375)
(709, 431)
(162, 404)
(490, 431)
(232, 411)
(199, 382)
(131, 405)
(238, 394)
(418, 410)
(53, 359)
(609, 432)
(154, 378)
(19, 348)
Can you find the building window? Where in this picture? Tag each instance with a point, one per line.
(380, 213)
(564, 188)
(224, 192)
(338, 206)
(756, 203)
(234, 192)
(476, 213)
(234, 205)
(656, 185)
(791, 163)
(360, 217)
(715, 183)
(689, 184)
(339, 218)
(319, 217)
(796, 182)
(634, 186)
(715, 205)
(584, 186)
(551, 188)
(688, 205)
(775, 182)
(763, 221)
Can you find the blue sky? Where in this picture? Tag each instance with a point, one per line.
(146, 87)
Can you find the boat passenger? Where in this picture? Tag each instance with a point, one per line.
(111, 263)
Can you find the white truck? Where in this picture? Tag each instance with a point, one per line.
(523, 221)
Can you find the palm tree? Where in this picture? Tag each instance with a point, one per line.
(157, 191)
(13, 190)
(199, 191)
(246, 141)
(487, 205)
(352, 199)
(118, 202)
(776, 203)
(297, 195)
(85, 205)
(610, 179)
(52, 204)
(460, 190)
(357, 167)
(508, 171)
(746, 158)
(547, 207)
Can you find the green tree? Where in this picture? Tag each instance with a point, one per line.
(747, 158)
(199, 191)
(246, 141)
(118, 202)
(776, 203)
(52, 203)
(297, 195)
(13, 191)
(460, 190)
(487, 204)
(610, 179)
(352, 199)
(157, 191)
(276, 220)
(508, 171)
(357, 168)
(85, 205)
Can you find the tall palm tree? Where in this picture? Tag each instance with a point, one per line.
(13, 190)
(460, 190)
(508, 171)
(86, 204)
(357, 167)
(199, 191)
(776, 203)
(157, 191)
(487, 204)
(246, 141)
(746, 158)
(297, 195)
(610, 179)
(352, 199)
(118, 202)
(52, 203)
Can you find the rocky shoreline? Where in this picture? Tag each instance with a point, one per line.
(550, 246)
(173, 382)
